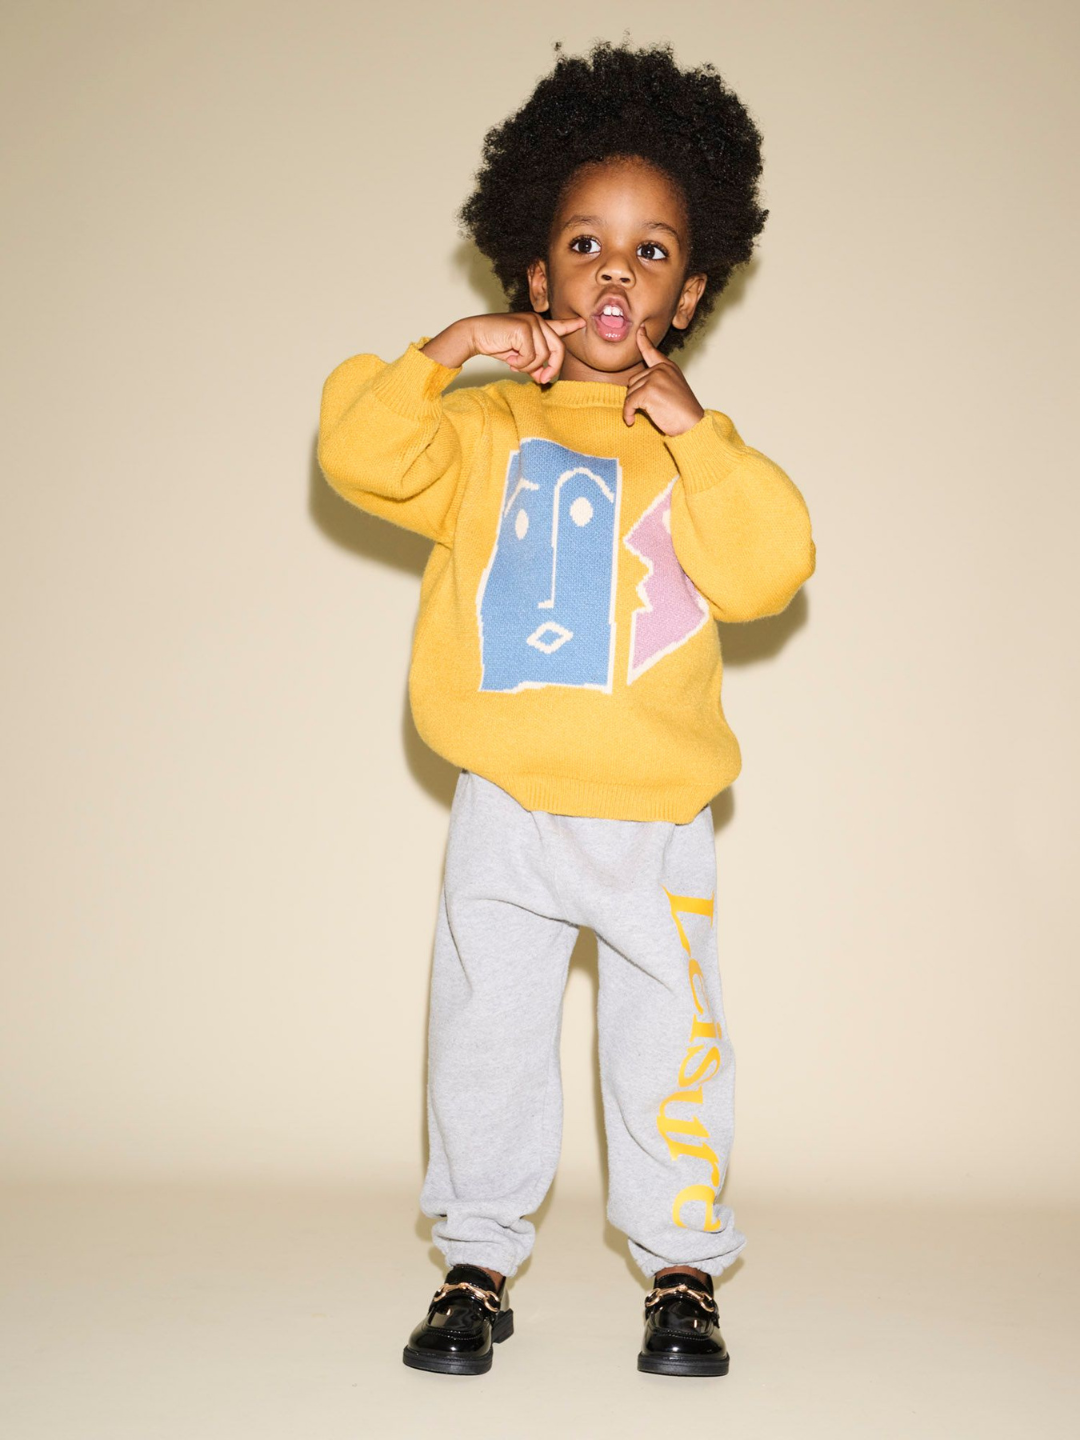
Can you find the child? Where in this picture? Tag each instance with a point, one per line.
(589, 526)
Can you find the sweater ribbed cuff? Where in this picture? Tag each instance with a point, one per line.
(704, 455)
(411, 384)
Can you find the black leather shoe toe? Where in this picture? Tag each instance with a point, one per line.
(682, 1335)
(466, 1317)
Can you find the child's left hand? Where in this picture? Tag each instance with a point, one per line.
(661, 391)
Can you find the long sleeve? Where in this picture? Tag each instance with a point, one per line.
(391, 443)
(739, 526)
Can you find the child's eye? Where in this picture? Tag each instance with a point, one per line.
(645, 244)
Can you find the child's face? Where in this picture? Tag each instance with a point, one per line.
(621, 231)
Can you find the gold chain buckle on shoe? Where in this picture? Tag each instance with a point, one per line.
(487, 1298)
(662, 1292)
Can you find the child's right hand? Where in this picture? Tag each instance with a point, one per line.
(524, 340)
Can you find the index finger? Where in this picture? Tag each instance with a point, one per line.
(647, 348)
(554, 330)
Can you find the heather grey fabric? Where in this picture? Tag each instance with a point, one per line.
(518, 885)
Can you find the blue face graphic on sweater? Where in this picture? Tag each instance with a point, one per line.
(546, 602)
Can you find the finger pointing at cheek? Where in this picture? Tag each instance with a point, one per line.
(651, 355)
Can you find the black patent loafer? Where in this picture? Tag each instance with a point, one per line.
(682, 1333)
(466, 1318)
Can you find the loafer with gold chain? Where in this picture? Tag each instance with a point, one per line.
(682, 1333)
(467, 1316)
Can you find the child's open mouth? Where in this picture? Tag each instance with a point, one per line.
(610, 326)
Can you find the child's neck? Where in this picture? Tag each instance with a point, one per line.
(577, 372)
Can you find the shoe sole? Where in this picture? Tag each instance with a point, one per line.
(502, 1327)
(683, 1364)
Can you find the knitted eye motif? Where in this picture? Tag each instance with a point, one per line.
(581, 511)
(521, 523)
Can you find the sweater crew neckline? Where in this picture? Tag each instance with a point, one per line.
(584, 392)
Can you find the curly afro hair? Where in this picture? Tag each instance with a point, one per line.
(620, 102)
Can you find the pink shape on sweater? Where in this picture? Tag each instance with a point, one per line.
(674, 608)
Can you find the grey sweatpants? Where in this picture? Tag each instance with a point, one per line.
(518, 886)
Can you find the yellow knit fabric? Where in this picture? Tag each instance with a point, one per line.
(565, 646)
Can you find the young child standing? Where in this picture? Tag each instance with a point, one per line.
(589, 524)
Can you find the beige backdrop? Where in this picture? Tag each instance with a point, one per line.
(223, 838)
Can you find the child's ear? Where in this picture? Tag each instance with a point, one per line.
(691, 294)
(538, 285)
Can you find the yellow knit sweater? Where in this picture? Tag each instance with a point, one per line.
(565, 646)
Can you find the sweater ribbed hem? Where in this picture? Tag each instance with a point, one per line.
(592, 799)
(703, 455)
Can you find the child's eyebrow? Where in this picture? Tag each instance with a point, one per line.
(646, 225)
